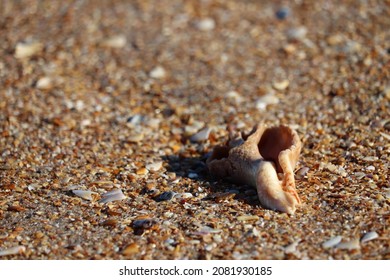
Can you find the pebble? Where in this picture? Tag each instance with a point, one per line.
(142, 171)
(201, 136)
(264, 101)
(282, 13)
(349, 245)
(155, 166)
(118, 41)
(158, 73)
(370, 168)
(113, 195)
(192, 175)
(25, 50)
(247, 218)
(332, 242)
(135, 138)
(87, 195)
(369, 236)
(183, 195)
(143, 224)
(44, 83)
(282, 85)
(206, 24)
(131, 249)
(235, 96)
(165, 196)
(297, 33)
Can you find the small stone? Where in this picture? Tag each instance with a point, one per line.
(282, 85)
(16, 208)
(370, 168)
(142, 171)
(155, 166)
(192, 175)
(297, 33)
(335, 39)
(201, 136)
(369, 236)
(235, 96)
(157, 73)
(206, 24)
(131, 249)
(165, 196)
(264, 101)
(25, 50)
(118, 41)
(224, 197)
(110, 223)
(247, 218)
(332, 242)
(44, 83)
(282, 13)
(183, 195)
(136, 138)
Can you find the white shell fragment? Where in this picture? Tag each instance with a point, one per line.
(282, 85)
(206, 24)
(264, 101)
(155, 166)
(25, 50)
(332, 242)
(44, 83)
(13, 251)
(114, 195)
(349, 245)
(87, 195)
(369, 236)
(201, 136)
(118, 41)
(291, 248)
(157, 73)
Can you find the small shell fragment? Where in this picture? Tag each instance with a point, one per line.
(157, 73)
(332, 242)
(264, 101)
(13, 251)
(114, 195)
(201, 136)
(155, 166)
(369, 236)
(291, 248)
(87, 195)
(349, 245)
(282, 85)
(118, 41)
(25, 50)
(247, 218)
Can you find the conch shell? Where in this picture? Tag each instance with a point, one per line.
(264, 159)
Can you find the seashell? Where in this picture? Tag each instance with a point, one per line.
(114, 195)
(27, 49)
(201, 136)
(332, 242)
(118, 41)
(13, 251)
(264, 159)
(369, 236)
(158, 73)
(87, 195)
(155, 166)
(349, 245)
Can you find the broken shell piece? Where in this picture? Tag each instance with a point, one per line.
(112, 196)
(87, 195)
(13, 251)
(264, 159)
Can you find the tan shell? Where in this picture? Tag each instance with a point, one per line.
(264, 159)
